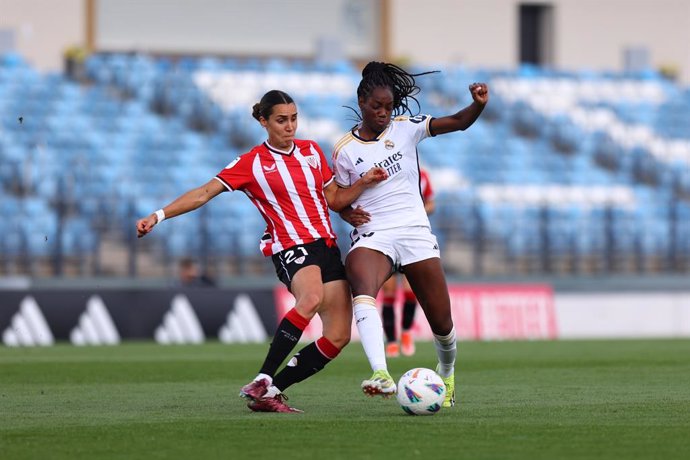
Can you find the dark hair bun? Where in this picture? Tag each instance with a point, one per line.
(256, 111)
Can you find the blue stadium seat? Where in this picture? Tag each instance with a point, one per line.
(139, 143)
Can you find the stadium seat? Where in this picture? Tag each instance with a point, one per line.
(148, 128)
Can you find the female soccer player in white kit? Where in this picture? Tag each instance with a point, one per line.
(398, 234)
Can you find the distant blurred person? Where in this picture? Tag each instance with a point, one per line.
(390, 290)
(189, 274)
(291, 184)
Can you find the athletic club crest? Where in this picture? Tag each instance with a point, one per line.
(311, 161)
(389, 144)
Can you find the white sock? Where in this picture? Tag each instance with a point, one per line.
(370, 330)
(446, 349)
(264, 376)
(272, 392)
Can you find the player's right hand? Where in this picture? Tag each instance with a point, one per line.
(375, 175)
(145, 225)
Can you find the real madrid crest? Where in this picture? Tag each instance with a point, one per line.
(389, 144)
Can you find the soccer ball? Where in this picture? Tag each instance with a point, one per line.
(421, 391)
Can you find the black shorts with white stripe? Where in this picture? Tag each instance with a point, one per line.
(324, 253)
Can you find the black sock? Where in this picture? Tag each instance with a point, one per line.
(307, 362)
(286, 337)
(388, 316)
(409, 308)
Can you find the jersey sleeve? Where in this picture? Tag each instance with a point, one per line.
(342, 166)
(326, 172)
(418, 126)
(237, 174)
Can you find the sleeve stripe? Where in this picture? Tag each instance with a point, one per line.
(428, 127)
(342, 140)
(340, 144)
(219, 179)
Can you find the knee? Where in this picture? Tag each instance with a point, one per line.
(338, 336)
(442, 327)
(441, 324)
(308, 305)
(340, 340)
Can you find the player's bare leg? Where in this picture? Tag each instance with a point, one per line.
(429, 285)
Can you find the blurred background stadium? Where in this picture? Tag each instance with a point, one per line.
(576, 175)
(562, 213)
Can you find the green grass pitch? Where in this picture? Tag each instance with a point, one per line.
(517, 400)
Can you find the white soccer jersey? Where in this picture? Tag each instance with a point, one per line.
(397, 201)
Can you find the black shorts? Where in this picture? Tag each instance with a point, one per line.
(327, 257)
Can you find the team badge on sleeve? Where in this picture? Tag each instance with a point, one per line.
(232, 163)
(418, 118)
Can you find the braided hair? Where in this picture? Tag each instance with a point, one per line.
(401, 83)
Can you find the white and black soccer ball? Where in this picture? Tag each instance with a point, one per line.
(421, 391)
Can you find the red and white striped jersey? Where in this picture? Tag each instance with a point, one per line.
(425, 185)
(287, 188)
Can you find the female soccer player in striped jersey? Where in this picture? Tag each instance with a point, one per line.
(291, 184)
(398, 235)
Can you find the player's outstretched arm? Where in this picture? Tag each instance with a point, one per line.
(186, 202)
(465, 117)
(339, 198)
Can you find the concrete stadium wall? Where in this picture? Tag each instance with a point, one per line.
(257, 27)
(44, 29)
(589, 34)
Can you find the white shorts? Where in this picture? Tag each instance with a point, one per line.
(403, 246)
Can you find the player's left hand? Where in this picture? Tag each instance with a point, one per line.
(480, 93)
(355, 216)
